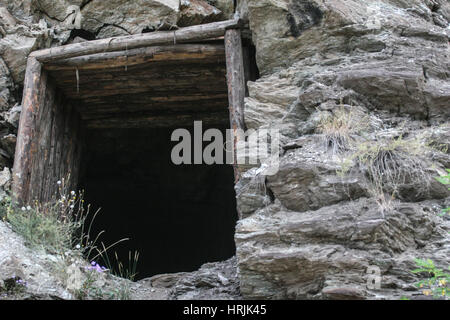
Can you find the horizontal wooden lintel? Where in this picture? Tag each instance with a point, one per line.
(138, 56)
(188, 34)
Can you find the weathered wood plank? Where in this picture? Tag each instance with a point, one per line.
(43, 131)
(92, 110)
(236, 85)
(144, 72)
(128, 58)
(155, 95)
(160, 97)
(142, 120)
(26, 131)
(194, 33)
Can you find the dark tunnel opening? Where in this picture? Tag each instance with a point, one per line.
(177, 217)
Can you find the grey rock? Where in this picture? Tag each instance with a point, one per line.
(8, 143)
(325, 253)
(226, 6)
(5, 178)
(213, 281)
(6, 85)
(251, 193)
(109, 31)
(131, 16)
(195, 12)
(33, 267)
(308, 178)
(12, 116)
(18, 42)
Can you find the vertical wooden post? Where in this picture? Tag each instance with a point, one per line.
(236, 85)
(26, 131)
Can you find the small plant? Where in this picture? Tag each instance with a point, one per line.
(54, 226)
(340, 128)
(5, 204)
(393, 162)
(61, 227)
(129, 272)
(92, 290)
(13, 287)
(437, 283)
(89, 288)
(445, 179)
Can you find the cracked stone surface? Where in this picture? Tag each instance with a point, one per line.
(308, 231)
(305, 232)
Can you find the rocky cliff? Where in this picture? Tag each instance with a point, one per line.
(360, 91)
(355, 87)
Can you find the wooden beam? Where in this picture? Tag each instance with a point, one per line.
(236, 85)
(194, 33)
(25, 149)
(160, 77)
(129, 58)
(201, 90)
(163, 97)
(90, 111)
(152, 120)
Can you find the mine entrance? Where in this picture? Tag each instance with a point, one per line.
(177, 216)
(103, 111)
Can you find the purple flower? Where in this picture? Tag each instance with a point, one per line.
(21, 282)
(95, 266)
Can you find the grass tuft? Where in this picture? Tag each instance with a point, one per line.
(341, 128)
(394, 163)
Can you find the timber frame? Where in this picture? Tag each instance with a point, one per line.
(48, 137)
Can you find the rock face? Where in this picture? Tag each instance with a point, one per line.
(213, 281)
(18, 262)
(132, 17)
(197, 12)
(321, 254)
(126, 17)
(329, 215)
(315, 228)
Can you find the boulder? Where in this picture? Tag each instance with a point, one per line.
(34, 268)
(226, 6)
(308, 179)
(8, 143)
(129, 16)
(6, 85)
(5, 178)
(326, 253)
(12, 116)
(195, 12)
(18, 43)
